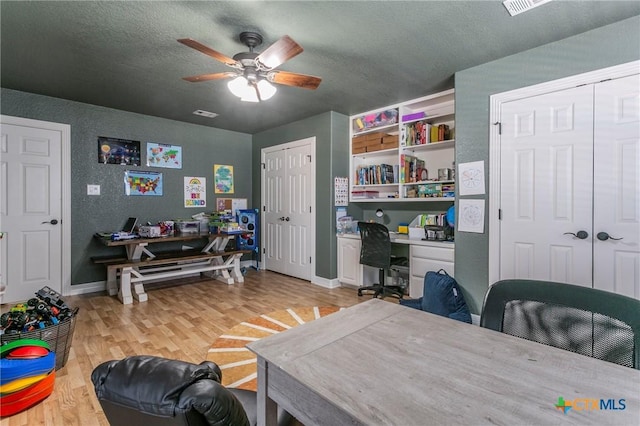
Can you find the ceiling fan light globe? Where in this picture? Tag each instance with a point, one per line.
(267, 90)
(239, 86)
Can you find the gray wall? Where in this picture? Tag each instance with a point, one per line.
(604, 47)
(332, 159)
(202, 147)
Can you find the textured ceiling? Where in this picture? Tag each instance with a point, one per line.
(124, 55)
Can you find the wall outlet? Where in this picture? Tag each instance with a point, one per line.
(93, 189)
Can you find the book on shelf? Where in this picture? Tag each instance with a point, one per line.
(434, 133)
(418, 133)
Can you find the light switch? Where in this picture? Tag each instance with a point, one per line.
(93, 189)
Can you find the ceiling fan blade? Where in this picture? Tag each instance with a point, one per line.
(279, 52)
(207, 77)
(208, 51)
(294, 79)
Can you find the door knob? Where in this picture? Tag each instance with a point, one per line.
(603, 236)
(52, 221)
(581, 234)
(287, 218)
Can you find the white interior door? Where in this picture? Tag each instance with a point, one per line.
(546, 185)
(297, 211)
(273, 240)
(617, 186)
(30, 210)
(288, 200)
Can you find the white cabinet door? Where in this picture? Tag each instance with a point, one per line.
(616, 244)
(349, 267)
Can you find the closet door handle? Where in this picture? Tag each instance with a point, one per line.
(603, 236)
(581, 234)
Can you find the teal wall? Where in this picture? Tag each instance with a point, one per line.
(332, 159)
(600, 48)
(202, 147)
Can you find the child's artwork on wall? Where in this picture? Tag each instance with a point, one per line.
(223, 179)
(195, 192)
(164, 155)
(118, 151)
(142, 183)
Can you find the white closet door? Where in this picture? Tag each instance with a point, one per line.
(287, 214)
(617, 186)
(273, 240)
(546, 185)
(297, 211)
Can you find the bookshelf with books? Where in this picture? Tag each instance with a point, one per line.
(409, 156)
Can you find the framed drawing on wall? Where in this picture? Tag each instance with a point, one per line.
(223, 179)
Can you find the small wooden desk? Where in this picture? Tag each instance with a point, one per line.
(379, 363)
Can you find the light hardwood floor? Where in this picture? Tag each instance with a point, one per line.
(180, 320)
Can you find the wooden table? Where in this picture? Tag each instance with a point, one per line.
(209, 260)
(136, 247)
(379, 363)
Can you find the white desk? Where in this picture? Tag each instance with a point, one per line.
(401, 366)
(424, 256)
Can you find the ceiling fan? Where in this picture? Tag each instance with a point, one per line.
(254, 72)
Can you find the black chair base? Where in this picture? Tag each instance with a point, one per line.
(383, 290)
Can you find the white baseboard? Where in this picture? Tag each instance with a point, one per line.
(324, 282)
(475, 319)
(85, 288)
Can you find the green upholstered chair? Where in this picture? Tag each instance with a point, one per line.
(584, 320)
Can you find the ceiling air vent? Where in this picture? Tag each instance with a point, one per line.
(205, 113)
(515, 7)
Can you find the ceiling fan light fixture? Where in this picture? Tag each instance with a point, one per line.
(241, 88)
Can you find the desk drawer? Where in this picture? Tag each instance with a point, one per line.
(434, 253)
(425, 259)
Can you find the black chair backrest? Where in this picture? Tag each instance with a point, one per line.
(376, 245)
(584, 320)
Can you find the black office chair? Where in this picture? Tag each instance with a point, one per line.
(591, 322)
(376, 251)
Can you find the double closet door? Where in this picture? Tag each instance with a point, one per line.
(287, 197)
(570, 186)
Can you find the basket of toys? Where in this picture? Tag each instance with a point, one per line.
(44, 317)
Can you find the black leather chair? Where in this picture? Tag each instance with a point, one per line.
(375, 251)
(148, 390)
(584, 320)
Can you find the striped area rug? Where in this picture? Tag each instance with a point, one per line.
(238, 364)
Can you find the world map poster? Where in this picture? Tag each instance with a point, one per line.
(142, 183)
(164, 155)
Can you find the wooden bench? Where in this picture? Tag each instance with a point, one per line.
(224, 266)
